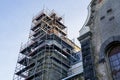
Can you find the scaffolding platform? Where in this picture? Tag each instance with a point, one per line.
(48, 52)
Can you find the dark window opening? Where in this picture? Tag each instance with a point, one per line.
(109, 10)
(110, 19)
(102, 17)
(92, 11)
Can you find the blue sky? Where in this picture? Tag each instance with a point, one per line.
(15, 23)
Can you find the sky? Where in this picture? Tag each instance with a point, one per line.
(15, 24)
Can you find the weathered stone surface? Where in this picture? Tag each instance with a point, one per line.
(105, 29)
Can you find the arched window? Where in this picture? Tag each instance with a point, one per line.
(114, 60)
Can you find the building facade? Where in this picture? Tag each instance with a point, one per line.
(100, 41)
(48, 54)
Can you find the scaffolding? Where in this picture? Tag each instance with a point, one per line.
(47, 55)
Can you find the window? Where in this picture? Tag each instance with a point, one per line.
(114, 59)
(102, 17)
(109, 10)
(111, 18)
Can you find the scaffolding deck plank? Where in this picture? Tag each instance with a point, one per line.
(25, 69)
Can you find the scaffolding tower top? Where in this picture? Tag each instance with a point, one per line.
(50, 15)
